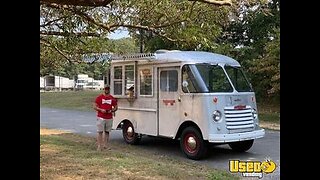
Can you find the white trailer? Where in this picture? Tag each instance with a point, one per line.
(41, 83)
(94, 85)
(58, 83)
(82, 80)
(101, 83)
(194, 97)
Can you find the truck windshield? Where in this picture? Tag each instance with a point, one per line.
(208, 78)
(238, 78)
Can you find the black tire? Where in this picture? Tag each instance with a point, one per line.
(196, 148)
(129, 134)
(241, 146)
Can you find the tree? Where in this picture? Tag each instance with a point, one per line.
(52, 62)
(97, 3)
(267, 67)
(254, 39)
(192, 27)
(66, 26)
(75, 19)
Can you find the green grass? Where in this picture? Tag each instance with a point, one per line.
(72, 156)
(270, 117)
(269, 112)
(77, 100)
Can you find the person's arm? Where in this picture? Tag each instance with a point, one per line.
(114, 105)
(115, 108)
(96, 107)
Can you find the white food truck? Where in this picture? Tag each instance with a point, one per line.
(192, 96)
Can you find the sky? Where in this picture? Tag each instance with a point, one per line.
(118, 34)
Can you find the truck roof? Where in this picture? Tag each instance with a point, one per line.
(163, 56)
(196, 57)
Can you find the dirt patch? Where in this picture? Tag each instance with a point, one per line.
(268, 125)
(44, 131)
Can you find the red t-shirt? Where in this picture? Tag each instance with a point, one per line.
(105, 102)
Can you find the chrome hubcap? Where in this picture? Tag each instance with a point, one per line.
(191, 142)
(130, 131)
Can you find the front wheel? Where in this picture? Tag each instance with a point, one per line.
(241, 146)
(192, 143)
(129, 134)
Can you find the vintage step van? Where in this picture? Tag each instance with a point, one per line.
(191, 96)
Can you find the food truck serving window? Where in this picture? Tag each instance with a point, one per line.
(145, 75)
(123, 78)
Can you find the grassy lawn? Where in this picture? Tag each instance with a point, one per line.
(269, 112)
(65, 155)
(78, 100)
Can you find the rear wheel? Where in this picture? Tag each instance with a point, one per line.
(129, 134)
(192, 143)
(241, 146)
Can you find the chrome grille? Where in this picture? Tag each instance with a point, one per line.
(239, 120)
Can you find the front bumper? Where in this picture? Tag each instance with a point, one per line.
(224, 138)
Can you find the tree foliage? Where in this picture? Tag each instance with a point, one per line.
(52, 62)
(69, 29)
(192, 27)
(267, 68)
(253, 38)
(97, 3)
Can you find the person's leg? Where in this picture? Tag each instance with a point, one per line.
(99, 134)
(99, 141)
(105, 139)
(107, 134)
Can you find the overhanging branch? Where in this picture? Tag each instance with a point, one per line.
(113, 27)
(97, 3)
(147, 28)
(51, 22)
(63, 4)
(89, 3)
(216, 2)
(50, 45)
(78, 34)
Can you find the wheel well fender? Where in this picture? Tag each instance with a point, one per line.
(120, 125)
(185, 125)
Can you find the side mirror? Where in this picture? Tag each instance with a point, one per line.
(185, 84)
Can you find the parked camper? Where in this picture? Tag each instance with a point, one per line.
(94, 85)
(57, 83)
(41, 83)
(82, 80)
(195, 97)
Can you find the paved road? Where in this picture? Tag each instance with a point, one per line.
(84, 123)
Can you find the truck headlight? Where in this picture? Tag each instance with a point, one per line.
(216, 115)
(254, 113)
